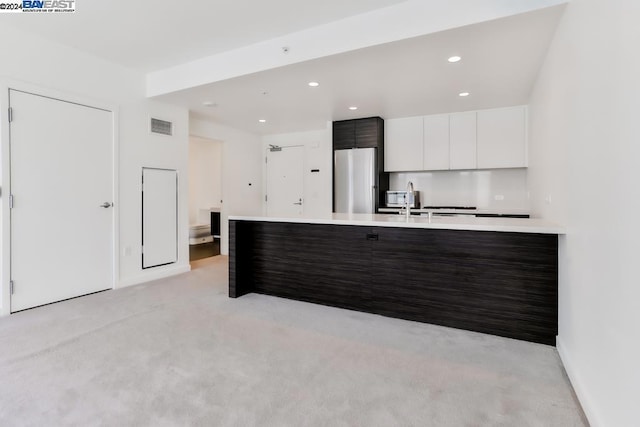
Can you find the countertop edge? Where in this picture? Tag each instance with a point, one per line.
(484, 224)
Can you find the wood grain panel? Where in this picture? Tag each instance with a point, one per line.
(344, 134)
(369, 132)
(240, 252)
(322, 264)
(498, 283)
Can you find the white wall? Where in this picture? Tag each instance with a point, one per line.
(139, 148)
(585, 152)
(205, 178)
(39, 61)
(30, 61)
(318, 186)
(241, 171)
(468, 188)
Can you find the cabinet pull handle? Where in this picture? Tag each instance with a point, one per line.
(372, 236)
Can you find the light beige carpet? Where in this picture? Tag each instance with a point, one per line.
(178, 352)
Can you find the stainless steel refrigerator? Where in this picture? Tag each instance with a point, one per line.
(354, 173)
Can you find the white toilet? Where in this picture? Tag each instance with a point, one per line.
(200, 233)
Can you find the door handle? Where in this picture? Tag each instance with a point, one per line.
(372, 236)
(298, 202)
(106, 205)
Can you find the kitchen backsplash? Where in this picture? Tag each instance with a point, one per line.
(485, 189)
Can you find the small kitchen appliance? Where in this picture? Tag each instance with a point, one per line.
(398, 199)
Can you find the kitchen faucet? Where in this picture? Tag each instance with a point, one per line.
(408, 198)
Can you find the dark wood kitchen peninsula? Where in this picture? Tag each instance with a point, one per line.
(492, 275)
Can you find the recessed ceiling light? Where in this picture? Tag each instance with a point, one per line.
(262, 121)
(353, 108)
(454, 59)
(463, 94)
(314, 84)
(209, 103)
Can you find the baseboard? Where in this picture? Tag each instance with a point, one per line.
(578, 386)
(153, 275)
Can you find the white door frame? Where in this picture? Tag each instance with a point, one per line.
(5, 163)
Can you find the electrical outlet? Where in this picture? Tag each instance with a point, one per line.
(498, 197)
(547, 199)
(126, 251)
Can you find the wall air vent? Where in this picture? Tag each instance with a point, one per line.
(162, 127)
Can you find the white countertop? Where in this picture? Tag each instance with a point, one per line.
(517, 225)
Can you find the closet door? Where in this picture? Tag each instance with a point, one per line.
(159, 217)
(62, 189)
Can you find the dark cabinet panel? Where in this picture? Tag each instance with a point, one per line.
(369, 132)
(358, 133)
(241, 248)
(498, 283)
(344, 134)
(326, 264)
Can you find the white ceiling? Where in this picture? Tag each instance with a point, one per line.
(501, 59)
(150, 34)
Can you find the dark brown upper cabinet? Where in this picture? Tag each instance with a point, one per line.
(358, 133)
(344, 134)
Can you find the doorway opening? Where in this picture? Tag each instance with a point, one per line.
(205, 197)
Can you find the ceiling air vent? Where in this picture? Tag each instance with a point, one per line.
(162, 127)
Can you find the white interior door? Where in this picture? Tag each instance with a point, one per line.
(62, 188)
(285, 181)
(159, 217)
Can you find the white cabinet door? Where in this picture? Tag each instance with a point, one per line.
(436, 142)
(403, 144)
(462, 141)
(502, 138)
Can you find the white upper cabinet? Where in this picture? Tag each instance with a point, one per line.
(462, 141)
(485, 139)
(502, 138)
(436, 142)
(403, 148)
